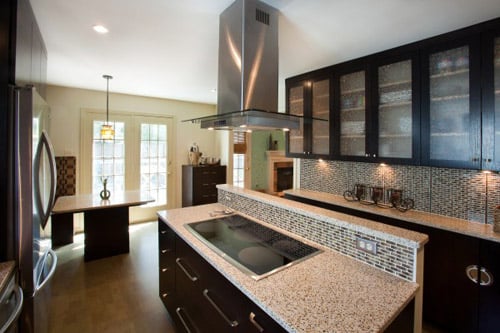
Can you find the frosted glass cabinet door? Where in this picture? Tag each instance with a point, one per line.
(296, 107)
(321, 110)
(449, 90)
(352, 114)
(395, 110)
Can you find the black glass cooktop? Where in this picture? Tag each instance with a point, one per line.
(256, 249)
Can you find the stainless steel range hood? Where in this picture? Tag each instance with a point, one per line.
(247, 92)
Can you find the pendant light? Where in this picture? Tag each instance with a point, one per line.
(107, 131)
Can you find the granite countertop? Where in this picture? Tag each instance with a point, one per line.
(328, 292)
(6, 270)
(474, 229)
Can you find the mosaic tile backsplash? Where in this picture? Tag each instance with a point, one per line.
(393, 257)
(465, 194)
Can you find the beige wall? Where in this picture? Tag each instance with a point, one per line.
(66, 103)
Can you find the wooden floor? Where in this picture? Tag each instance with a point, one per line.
(116, 294)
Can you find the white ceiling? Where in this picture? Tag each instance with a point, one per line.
(168, 48)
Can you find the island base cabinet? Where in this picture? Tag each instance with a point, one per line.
(202, 299)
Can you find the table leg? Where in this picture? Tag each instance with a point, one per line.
(62, 229)
(106, 232)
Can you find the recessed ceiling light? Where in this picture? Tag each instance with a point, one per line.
(100, 29)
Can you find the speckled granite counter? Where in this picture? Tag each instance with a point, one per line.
(328, 292)
(479, 230)
(6, 269)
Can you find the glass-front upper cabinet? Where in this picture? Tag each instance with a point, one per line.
(295, 100)
(395, 110)
(377, 108)
(352, 99)
(491, 101)
(309, 96)
(451, 105)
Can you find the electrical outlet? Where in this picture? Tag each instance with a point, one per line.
(366, 245)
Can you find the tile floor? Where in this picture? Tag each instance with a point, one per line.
(115, 294)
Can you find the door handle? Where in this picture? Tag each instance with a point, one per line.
(44, 212)
(52, 270)
(17, 311)
(485, 277)
(472, 273)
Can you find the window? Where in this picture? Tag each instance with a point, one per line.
(239, 157)
(154, 161)
(108, 158)
(138, 158)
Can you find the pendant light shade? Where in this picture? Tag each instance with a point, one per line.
(107, 130)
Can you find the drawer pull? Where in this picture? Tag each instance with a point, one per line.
(164, 295)
(192, 278)
(164, 270)
(163, 232)
(165, 251)
(232, 323)
(251, 317)
(178, 311)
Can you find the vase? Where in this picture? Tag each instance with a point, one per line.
(105, 193)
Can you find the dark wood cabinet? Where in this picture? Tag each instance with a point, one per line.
(198, 297)
(490, 75)
(309, 96)
(199, 184)
(30, 52)
(377, 108)
(435, 102)
(461, 291)
(451, 102)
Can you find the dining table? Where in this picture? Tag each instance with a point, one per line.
(106, 222)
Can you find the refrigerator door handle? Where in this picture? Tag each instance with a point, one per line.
(17, 311)
(44, 212)
(52, 270)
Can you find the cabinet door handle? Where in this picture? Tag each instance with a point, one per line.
(485, 277)
(165, 251)
(164, 295)
(178, 311)
(232, 323)
(192, 278)
(163, 270)
(472, 273)
(163, 232)
(251, 317)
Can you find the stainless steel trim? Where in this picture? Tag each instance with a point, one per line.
(17, 311)
(178, 311)
(192, 278)
(44, 212)
(243, 268)
(232, 323)
(472, 273)
(52, 270)
(251, 317)
(485, 277)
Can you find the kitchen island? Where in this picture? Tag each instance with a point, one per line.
(329, 292)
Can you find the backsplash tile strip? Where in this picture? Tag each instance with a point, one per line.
(393, 256)
(455, 193)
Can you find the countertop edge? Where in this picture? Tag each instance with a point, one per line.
(464, 227)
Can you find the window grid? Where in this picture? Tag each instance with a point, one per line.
(154, 161)
(239, 170)
(108, 158)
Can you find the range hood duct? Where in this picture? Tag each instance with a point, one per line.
(247, 92)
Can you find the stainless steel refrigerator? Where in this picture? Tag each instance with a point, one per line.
(34, 185)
